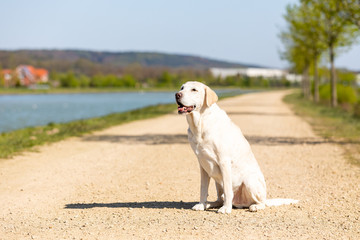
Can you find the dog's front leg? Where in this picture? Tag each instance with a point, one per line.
(225, 168)
(205, 180)
(219, 202)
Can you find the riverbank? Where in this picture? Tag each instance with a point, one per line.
(14, 142)
(17, 91)
(25, 110)
(17, 141)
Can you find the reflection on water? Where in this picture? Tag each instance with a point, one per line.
(19, 111)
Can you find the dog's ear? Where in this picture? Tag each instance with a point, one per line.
(210, 96)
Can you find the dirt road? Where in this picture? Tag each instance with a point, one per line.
(140, 180)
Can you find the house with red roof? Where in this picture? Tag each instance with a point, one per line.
(26, 74)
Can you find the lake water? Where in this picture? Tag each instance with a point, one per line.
(19, 111)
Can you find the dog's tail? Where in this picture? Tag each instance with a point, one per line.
(280, 201)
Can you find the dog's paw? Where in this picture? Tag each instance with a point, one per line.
(199, 207)
(256, 207)
(253, 208)
(225, 209)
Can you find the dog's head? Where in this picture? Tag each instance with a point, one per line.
(194, 96)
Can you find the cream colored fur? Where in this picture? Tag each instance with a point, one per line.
(223, 154)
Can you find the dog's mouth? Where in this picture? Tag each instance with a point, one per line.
(185, 109)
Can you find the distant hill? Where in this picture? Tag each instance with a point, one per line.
(79, 60)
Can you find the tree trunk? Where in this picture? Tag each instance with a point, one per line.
(306, 82)
(333, 78)
(316, 81)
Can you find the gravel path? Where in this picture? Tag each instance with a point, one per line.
(139, 181)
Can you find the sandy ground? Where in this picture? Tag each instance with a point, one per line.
(140, 180)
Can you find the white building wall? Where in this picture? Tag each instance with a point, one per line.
(255, 72)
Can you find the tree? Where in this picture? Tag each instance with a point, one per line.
(84, 81)
(346, 78)
(69, 80)
(165, 80)
(300, 61)
(313, 27)
(129, 81)
(303, 46)
(309, 30)
(336, 32)
(350, 10)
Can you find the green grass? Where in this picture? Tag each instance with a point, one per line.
(333, 124)
(17, 141)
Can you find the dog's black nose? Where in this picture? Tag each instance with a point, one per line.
(178, 95)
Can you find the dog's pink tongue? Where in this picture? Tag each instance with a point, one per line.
(182, 109)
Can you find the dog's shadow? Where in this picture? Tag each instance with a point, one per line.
(144, 205)
(149, 205)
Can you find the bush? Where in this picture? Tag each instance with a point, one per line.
(345, 94)
(128, 81)
(165, 80)
(84, 81)
(357, 110)
(324, 92)
(69, 80)
(96, 81)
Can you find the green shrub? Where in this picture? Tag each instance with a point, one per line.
(324, 92)
(357, 110)
(345, 94)
(69, 80)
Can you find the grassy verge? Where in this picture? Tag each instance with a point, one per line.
(331, 123)
(17, 141)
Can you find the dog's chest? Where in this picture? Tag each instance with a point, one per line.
(205, 152)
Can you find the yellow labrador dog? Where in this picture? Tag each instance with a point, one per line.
(223, 154)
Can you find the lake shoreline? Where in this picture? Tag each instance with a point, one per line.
(26, 91)
(26, 110)
(25, 139)
(22, 91)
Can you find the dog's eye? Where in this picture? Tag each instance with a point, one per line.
(182, 88)
(194, 90)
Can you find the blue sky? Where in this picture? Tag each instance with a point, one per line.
(239, 30)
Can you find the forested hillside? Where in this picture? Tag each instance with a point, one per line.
(91, 62)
